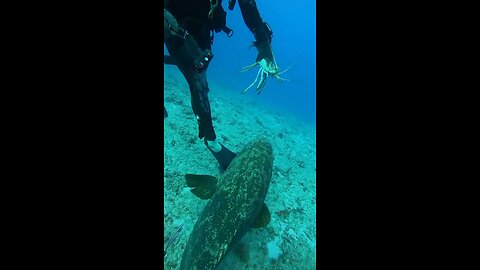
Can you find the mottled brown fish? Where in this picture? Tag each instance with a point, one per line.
(236, 205)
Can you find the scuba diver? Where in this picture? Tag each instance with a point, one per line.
(189, 26)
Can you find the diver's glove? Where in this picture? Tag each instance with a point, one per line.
(265, 57)
(264, 51)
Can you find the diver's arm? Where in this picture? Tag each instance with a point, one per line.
(260, 30)
(263, 39)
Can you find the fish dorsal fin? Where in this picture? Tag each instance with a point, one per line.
(263, 218)
(203, 186)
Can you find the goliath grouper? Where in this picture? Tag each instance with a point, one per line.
(236, 205)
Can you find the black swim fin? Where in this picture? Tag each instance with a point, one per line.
(224, 157)
(165, 114)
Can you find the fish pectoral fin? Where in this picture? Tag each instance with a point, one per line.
(263, 217)
(203, 186)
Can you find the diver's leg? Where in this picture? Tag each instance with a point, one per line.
(185, 54)
(184, 50)
(201, 108)
(197, 82)
(200, 102)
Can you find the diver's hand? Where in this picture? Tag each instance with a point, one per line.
(264, 50)
(268, 67)
(265, 57)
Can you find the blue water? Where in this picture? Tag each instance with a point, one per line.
(294, 41)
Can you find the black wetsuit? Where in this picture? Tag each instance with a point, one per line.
(190, 40)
